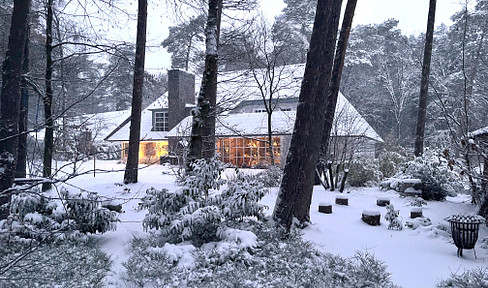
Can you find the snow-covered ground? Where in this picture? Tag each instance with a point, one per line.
(415, 258)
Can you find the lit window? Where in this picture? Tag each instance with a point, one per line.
(161, 121)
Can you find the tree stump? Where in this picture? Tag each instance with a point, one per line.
(416, 212)
(325, 208)
(371, 217)
(342, 200)
(382, 201)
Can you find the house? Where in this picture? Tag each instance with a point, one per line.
(241, 127)
(158, 118)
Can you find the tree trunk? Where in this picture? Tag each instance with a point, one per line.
(424, 85)
(335, 82)
(202, 140)
(131, 168)
(10, 100)
(295, 194)
(21, 168)
(48, 100)
(270, 134)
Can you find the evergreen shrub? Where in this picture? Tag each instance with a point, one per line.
(64, 264)
(364, 172)
(271, 261)
(35, 216)
(438, 180)
(474, 278)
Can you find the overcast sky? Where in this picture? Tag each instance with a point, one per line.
(412, 16)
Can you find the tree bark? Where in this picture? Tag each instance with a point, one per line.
(335, 83)
(131, 169)
(10, 100)
(202, 140)
(21, 168)
(296, 189)
(48, 100)
(424, 85)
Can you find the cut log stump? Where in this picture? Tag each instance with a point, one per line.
(371, 217)
(342, 200)
(416, 212)
(325, 208)
(382, 201)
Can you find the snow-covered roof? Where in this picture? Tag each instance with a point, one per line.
(121, 133)
(237, 86)
(348, 122)
(100, 124)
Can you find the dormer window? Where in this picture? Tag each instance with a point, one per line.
(161, 121)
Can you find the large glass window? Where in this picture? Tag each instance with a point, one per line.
(161, 121)
(248, 152)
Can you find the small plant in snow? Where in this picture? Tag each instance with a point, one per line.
(392, 217)
(475, 278)
(418, 202)
(197, 210)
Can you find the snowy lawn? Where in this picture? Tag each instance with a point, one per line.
(415, 258)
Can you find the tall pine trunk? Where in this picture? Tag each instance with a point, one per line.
(131, 168)
(335, 82)
(297, 185)
(10, 100)
(424, 83)
(21, 168)
(202, 139)
(48, 100)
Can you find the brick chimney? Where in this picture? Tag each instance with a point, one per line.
(181, 91)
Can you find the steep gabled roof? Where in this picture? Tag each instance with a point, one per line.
(121, 133)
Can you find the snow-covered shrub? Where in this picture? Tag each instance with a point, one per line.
(418, 202)
(196, 210)
(474, 278)
(203, 177)
(392, 217)
(391, 162)
(264, 259)
(34, 216)
(66, 264)
(107, 151)
(364, 172)
(438, 181)
(85, 208)
(271, 177)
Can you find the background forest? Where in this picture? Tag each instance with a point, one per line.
(380, 78)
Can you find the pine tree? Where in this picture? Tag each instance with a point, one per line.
(10, 99)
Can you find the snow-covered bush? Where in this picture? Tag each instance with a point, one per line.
(271, 177)
(66, 264)
(261, 258)
(34, 216)
(196, 210)
(475, 278)
(438, 181)
(391, 163)
(85, 208)
(364, 172)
